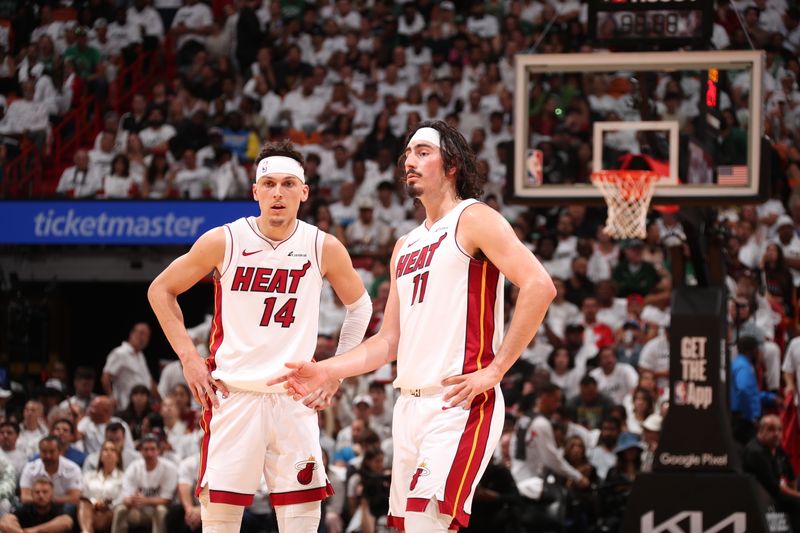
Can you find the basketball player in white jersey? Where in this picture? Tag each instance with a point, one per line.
(444, 322)
(268, 273)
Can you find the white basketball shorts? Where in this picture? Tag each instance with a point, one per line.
(251, 433)
(441, 453)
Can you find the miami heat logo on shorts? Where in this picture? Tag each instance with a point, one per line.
(422, 470)
(305, 470)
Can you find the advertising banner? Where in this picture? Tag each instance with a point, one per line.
(115, 222)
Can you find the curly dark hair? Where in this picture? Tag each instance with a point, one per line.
(456, 152)
(283, 147)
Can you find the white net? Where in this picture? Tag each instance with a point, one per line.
(628, 194)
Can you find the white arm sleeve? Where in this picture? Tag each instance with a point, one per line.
(355, 323)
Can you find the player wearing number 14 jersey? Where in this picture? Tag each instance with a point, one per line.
(268, 274)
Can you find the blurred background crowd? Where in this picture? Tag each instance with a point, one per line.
(345, 80)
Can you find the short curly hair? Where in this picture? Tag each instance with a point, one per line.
(283, 147)
(456, 152)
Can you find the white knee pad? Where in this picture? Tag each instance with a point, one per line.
(219, 517)
(298, 517)
(428, 521)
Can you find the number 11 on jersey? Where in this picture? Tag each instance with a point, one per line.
(420, 284)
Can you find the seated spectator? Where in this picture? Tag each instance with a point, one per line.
(24, 116)
(191, 180)
(590, 406)
(119, 182)
(116, 433)
(639, 406)
(230, 180)
(603, 456)
(614, 380)
(633, 275)
(147, 489)
(762, 459)
(651, 432)
(92, 427)
(184, 516)
(368, 491)
(138, 408)
(620, 478)
(40, 513)
(156, 184)
(367, 236)
(83, 382)
(101, 490)
(64, 429)
(64, 475)
(175, 429)
(9, 434)
(156, 135)
(8, 485)
(32, 429)
(564, 373)
(345, 211)
(79, 180)
(183, 401)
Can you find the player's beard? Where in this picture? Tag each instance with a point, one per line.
(413, 191)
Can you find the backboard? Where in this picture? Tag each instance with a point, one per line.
(694, 117)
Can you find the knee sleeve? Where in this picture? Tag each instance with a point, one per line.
(298, 517)
(428, 521)
(219, 517)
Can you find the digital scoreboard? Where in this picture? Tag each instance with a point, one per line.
(651, 24)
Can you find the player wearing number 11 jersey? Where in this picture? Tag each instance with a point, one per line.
(268, 274)
(443, 323)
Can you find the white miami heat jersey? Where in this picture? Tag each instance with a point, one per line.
(451, 306)
(266, 304)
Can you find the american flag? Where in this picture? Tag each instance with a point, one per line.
(732, 175)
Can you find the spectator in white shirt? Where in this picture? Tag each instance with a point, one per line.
(126, 366)
(83, 383)
(155, 137)
(345, 211)
(102, 488)
(119, 183)
(615, 380)
(148, 22)
(481, 24)
(79, 180)
(367, 236)
(119, 434)
(303, 105)
(192, 24)
(387, 209)
(411, 21)
(602, 456)
(65, 475)
(26, 116)
(9, 434)
(147, 489)
(125, 37)
(191, 180)
(33, 428)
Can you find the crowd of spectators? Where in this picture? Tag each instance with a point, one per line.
(345, 81)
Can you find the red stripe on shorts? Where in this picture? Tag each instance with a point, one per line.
(468, 458)
(205, 420)
(396, 522)
(231, 498)
(301, 496)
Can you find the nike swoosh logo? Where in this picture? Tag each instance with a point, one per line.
(245, 253)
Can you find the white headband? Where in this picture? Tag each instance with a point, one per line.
(429, 135)
(278, 164)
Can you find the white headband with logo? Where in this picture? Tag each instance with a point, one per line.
(278, 164)
(428, 135)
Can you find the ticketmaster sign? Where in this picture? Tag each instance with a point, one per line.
(115, 222)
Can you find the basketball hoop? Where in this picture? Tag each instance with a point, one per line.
(628, 194)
